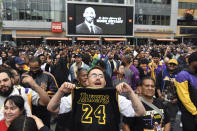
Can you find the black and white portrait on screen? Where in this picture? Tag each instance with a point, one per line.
(88, 26)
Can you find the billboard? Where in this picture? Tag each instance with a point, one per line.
(99, 20)
(188, 30)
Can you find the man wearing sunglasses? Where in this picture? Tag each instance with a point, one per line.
(93, 110)
(166, 89)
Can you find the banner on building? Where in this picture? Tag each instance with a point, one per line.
(56, 26)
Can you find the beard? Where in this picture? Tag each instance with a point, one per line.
(7, 93)
(35, 74)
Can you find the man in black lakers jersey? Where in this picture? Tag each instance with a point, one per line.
(96, 108)
(152, 120)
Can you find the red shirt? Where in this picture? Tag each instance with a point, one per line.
(3, 126)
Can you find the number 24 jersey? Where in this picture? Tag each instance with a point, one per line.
(95, 109)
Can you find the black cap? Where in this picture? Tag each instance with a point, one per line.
(78, 55)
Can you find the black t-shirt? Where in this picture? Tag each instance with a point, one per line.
(108, 80)
(142, 73)
(166, 87)
(95, 110)
(150, 120)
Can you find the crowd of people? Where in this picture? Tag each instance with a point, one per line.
(76, 87)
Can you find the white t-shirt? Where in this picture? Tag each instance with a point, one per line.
(125, 106)
(43, 67)
(19, 90)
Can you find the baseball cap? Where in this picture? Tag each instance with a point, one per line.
(173, 61)
(78, 55)
(19, 61)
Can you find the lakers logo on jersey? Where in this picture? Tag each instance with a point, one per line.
(89, 98)
(94, 109)
(44, 85)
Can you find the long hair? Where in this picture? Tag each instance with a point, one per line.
(23, 123)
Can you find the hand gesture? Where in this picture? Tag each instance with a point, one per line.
(109, 53)
(168, 48)
(38, 121)
(66, 87)
(123, 88)
(26, 79)
(72, 60)
(162, 97)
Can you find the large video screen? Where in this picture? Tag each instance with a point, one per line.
(90, 19)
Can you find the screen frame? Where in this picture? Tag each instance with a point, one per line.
(104, 4)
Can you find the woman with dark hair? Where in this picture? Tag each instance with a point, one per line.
(31, 123)
(23, 123)
(82, 77)
(13, 108)
(4, 55)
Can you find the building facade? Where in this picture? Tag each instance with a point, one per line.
(155, 20)
(31, 21)
(187, 21)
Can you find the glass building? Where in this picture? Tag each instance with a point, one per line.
(34, 10)
(155, 20)
(152, 12)
(24, 20)
(187, 21)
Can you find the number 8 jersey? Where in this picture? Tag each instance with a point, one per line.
(95, 109)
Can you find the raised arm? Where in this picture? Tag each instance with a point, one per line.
(136, 103)
(44, 98)
(54, 104)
